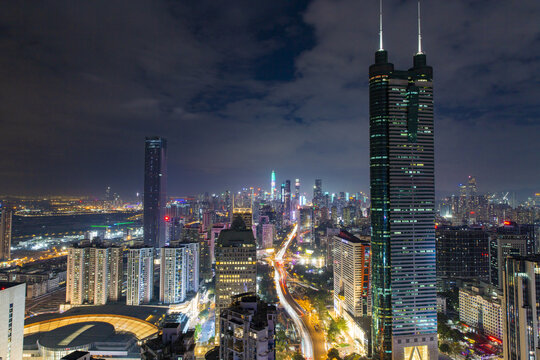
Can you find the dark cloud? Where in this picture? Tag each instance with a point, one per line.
(240, 88)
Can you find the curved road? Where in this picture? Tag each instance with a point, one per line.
(313, 342)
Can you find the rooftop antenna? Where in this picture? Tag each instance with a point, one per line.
(419, 30)
(380, 26)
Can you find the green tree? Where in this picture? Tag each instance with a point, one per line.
(333, 353)
(198, 329)
(445, 348)
(341, 324)
(332, 330)
(298, 356)
(282, 341)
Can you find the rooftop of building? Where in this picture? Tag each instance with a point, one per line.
(171, 325)
(531, 258)
(237, 234)
(75, 355)
(178, 244)
(74, 335)
(139, 247)
(345, 235)
(151, 314)
(84, 244)
(181, 345)
(8, 284)
(250, 304)
(484, 289)
(464, 228)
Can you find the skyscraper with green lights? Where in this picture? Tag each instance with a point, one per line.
(402, 183)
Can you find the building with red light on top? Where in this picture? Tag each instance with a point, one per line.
(510, 239)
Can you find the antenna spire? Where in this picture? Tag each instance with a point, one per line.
(380, 26)
(419, 30)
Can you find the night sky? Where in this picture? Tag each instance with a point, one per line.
(242, 87)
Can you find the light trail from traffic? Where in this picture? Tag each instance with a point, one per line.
(281, 287)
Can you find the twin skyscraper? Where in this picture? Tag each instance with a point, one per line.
(402, 184)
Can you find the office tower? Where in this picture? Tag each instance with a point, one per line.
(5, 233)
(172, 275)
(352, 288)
(306, 227)
(334, 215)
(462, 253)
(402, 209)
(273, 186)
(297, 201)
(173, 229)
(12, 302)
(471, 186)
(247, 329)
(505, 244)
(204, 250)
(521, 306)
(207, 220)
(214, 234)
(347, 216)
(480, 307)
(287, 201)
(140, 276)
(245, 213)
(317, 193)
(268, 234)
(155, 191)
(94, 274)
(236, 264)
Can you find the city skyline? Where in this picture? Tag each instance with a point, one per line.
(293, 90)
(410, 150)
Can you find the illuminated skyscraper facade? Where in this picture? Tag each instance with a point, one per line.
(172, 275)
(140, 276)
(402, 210)
(12, 304)
(5, 233)
(287, 201)
(273, 186)
(521, 307)
(178, 272)
(317, 192)
(352, 290)
(155, 191)
(94, 274)
(236, 264)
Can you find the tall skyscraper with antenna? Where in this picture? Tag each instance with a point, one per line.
(402, 207)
